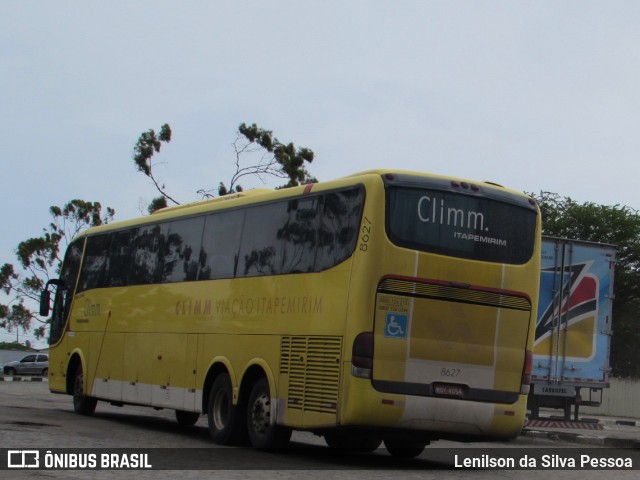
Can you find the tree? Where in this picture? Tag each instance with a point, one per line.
(278, 160)
(39, 259)
(147, 145)
(620, 226)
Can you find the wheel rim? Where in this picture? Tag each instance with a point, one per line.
(221, 410)
(261, 414)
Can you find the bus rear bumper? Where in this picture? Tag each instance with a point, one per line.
(364, 406)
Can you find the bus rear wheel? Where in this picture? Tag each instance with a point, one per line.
(403, 448)
(226, 422)
(355, 443)
(82, 404)
(263, 433)
(187, 419)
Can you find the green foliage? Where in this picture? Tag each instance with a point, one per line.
(15, 346)
(7, 277)
(157, 203)
(16, 316)
(624, 344)
(39, 259)
(278, 160)
(290, 159)
(620, 226)
(147, 145)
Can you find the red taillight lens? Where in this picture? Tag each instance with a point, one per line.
(362, 353)
(526, 372)
(528, 367)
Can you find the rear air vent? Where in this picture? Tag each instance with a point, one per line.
(453, 293)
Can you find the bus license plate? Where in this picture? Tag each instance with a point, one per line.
(448, 390)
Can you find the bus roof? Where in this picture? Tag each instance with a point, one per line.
(266, 194)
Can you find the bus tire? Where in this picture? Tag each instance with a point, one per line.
(403, 448)
(349, 442)
(187, 419)
(226, 422)
(263, 433)
(82, 404)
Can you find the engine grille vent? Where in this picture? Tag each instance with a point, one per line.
(313, 366)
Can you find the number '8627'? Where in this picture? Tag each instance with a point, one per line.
(365, 234)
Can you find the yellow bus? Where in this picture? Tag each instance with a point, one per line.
(385, 306)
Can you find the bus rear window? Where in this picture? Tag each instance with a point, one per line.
(458, 225)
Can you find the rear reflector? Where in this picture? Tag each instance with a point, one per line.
(362, 355)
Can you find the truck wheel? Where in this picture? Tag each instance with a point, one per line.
(11, 371)
(262, 432)
(226, 422)
(82, 404)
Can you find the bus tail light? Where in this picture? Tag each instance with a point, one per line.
(362, 355)
(526, 372)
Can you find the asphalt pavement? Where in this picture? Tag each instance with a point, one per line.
(596, 430)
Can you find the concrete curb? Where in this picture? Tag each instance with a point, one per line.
(627, 423)
(613, 421)
(601, 441)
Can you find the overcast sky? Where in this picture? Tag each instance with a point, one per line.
(540, 95)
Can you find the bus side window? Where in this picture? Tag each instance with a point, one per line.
(220, 244)
(119, 260)
(181, 252)
(261, 249)
(339, 225)
(147, 264)
(299, 235)
(94, 263)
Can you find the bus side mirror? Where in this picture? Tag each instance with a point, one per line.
(45, 301)
(45, 296)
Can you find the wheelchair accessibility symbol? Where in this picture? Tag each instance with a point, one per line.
(395, 325)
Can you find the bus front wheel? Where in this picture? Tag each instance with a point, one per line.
(82, 404)
(263, 433)
(226, 422)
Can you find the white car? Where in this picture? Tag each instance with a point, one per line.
(32, 364)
